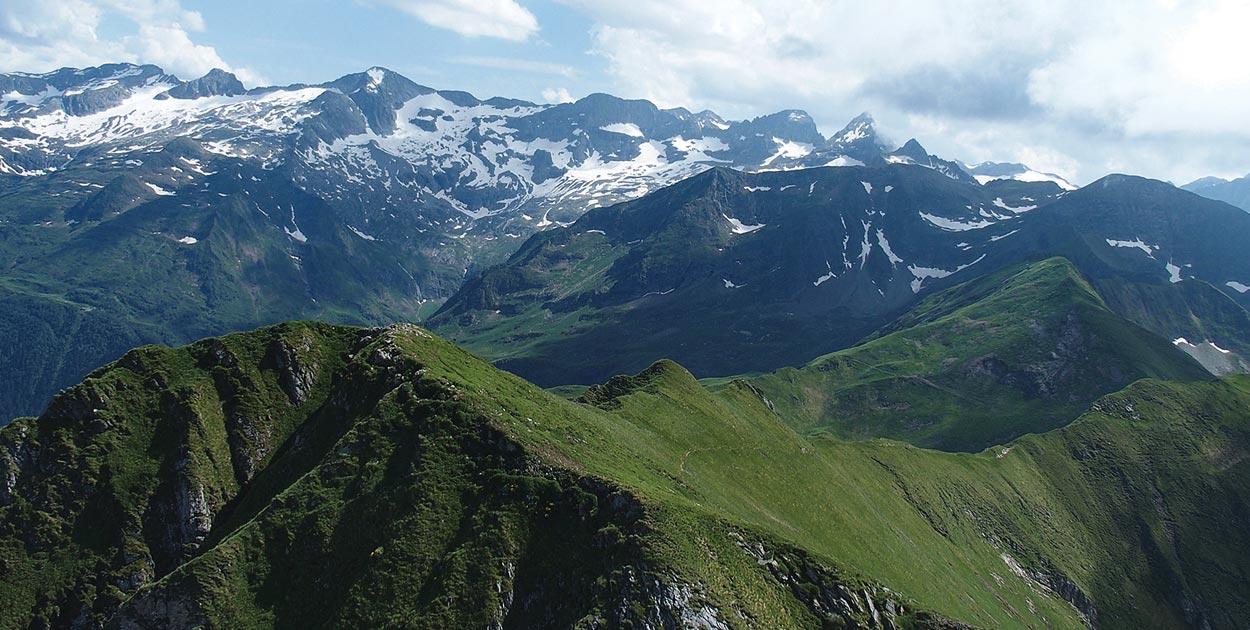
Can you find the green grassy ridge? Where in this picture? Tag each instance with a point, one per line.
(1023, 350)
(382, 493)
(1130, 507)
(120, 439)
(1068, 503)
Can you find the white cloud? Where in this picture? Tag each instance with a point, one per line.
(1084, 87)
(557, 95)
(42, 35)
(504, 19)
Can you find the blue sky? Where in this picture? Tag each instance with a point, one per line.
(321, 39)
(1152, 87)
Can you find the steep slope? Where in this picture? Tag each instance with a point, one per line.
(1164, 258)
(733, 273)
(307, 475)
(729, 272)
(187, 245)
(1235, 192)
(138, 207)
(1022, 350)
(312, 475)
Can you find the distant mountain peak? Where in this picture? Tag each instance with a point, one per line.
(986, 172)
(861, 128)
(914, 150)
(217, 82)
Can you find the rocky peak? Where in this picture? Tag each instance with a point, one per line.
(912, 149)
(217, 82)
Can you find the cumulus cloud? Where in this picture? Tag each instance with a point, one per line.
(42, 35)
(1085, 87)
(557, 95)
(504, 19)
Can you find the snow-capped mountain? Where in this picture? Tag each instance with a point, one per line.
(374, 143)
(754, 271)
(136, 207)
(990, 171)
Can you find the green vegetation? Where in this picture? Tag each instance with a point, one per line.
(89, 273)
(1023, 350)
(308, 475)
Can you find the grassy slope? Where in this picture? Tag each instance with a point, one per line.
(362, 482)
(1134, 505)
(1023, 350)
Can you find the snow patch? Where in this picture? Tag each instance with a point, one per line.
(1135, 244)
(625, 129)
(188, 240)
(827, 277)
(650, 293)
(739, 227)
(867, 187)
(951, 225)
(1184, 343)
(160, 191)
(296, 233)
(376, 75)
(1016, 209)
(730, 285)
(885, 247)
(1028, 176)
(1174, 273)
(1237, 286)
(757, 188)
(924, 273)
(866, 247)
(361, 234)
(788, 149)
(843, 160)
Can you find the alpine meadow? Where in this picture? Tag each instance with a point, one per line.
(283, 350)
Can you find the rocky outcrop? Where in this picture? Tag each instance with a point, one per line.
(839, 601)
(217, 82)
(180, 515)
(1052, 581)
(297, 372)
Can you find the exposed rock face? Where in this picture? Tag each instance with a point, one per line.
(155, 608)
(297, 374)
(216, 83)
(838, 601)
(180, 516)
(1051, 580)
(16, 457)
(648, 600)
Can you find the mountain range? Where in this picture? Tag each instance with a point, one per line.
(674, 371)
(1235, 191)
(731, 272)
(136, 207)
